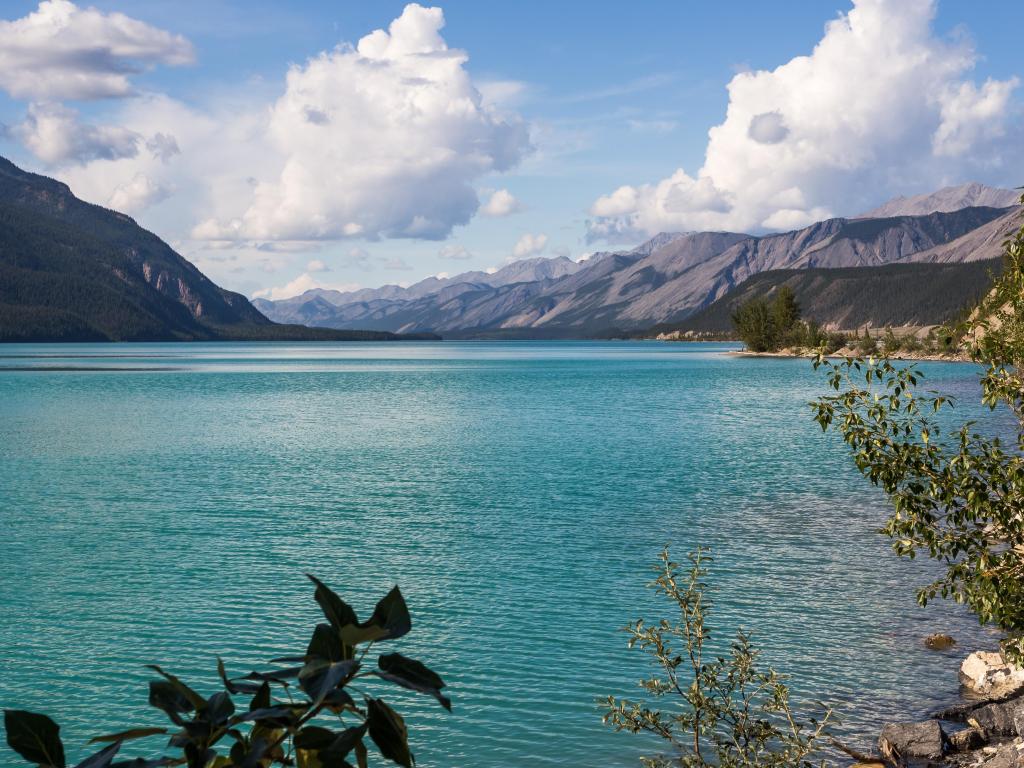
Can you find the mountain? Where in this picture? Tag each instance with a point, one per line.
(664, 280)
(72, 271)
(851, 297)
(316, 306)
(971, 195)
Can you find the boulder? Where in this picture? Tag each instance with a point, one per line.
(1002, 718)
(901, 742)
(968, 739)
(987, 673)
(939, 642)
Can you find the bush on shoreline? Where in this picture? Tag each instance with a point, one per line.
(726, 711)
(956, 498)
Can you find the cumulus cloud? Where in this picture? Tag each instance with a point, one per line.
(138, 194)
(768, 128)
(54, 134)
(501, 203)
(383, 139)
(301, 284)
(455, 253)
(317, 265)
(881, 106)
(529, 245)
(163, 146)
(61, 51)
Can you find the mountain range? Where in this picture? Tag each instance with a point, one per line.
(668, 278)
(72, 271)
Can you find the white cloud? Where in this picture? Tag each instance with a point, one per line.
(301, 284)
(61, 51)
(880, 107)
(317, 265)
(501, 203)
(379, 140)
(652, 126)
(54, 134)
(455, 253)
(529, 245)
(768, 128)
(138, 194)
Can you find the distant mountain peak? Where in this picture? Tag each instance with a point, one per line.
(946, 200)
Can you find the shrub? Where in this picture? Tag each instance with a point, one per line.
(270, 729)
(957, 499)
(728, 713)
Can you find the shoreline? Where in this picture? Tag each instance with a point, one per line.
(849, 353)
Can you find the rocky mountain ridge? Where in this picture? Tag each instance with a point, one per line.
(665, 280)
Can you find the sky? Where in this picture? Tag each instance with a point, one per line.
(283, 146)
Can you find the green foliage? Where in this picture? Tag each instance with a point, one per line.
(725, 712)
(959, 498)
(895, 294)
(754, 322)
(303, 714)
(770, 326)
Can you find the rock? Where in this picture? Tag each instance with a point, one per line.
(1004, 718)
(988, 673)
(868, 765)
(939, 642)
(968, 739)
(902, 741)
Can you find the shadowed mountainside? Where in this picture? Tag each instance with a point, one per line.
(72, 271)
(851, 297)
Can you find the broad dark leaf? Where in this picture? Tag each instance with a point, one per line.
(318, 681)
(338, 699)
(219, 708)
(134, 733)
(276, 675)
(249, 755)
(101, 759)
(336, 610)
(35, 737)
(413, 675)
(283, 715)
(141, 762)
(314, 737)
(262, 698)
(388, 731)
(197, 701)
(325, 644)
(391, 615)
(234, 686)
(164, 696)
(347, 741)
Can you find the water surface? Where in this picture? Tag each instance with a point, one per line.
(160, 503)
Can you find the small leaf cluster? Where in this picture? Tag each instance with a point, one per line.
(308, 710)
(724, 710)
(958, 498)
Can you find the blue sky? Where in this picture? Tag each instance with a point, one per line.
(581, 100)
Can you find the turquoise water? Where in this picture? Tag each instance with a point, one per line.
(160, 504)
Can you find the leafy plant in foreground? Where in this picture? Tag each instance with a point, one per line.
(303, 714)
(958, 499)
(726, 712)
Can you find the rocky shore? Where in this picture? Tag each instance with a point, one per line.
(985, 730)
(839, 354)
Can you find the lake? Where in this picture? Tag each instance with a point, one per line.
(161, 503)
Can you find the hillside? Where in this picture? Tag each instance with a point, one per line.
(72, 271)
(849, 298)
(664, 280)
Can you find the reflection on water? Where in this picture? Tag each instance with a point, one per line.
(517, 491)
